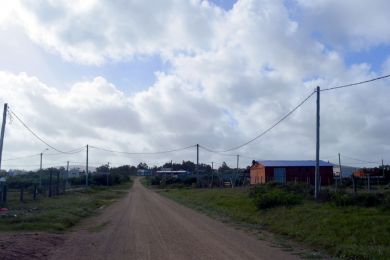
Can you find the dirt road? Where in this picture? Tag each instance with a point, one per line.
(145, 225)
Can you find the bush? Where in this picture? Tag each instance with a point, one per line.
(386, 200)
(275, 198)
(300, 188)
(188, 181)
(325, 195)
(155, 180)
(363, 200)
(342, 199)
(256, 191)
(368, 199)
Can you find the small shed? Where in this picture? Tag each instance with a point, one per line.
(290, 171)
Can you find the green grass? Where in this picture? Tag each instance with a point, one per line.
(347, 232)
(58, 213)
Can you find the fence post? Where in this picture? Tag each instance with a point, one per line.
(368, 183)
(5, 193)
(58, 184)
(21, 193)
(50, 184)
(354, 185)
(35, 192)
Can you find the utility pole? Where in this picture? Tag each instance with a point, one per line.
(341, 172)
(212, 174)
(238, 160)
(197, 155)
(317, 171)
(67, 173)
(86, 170)
(3, 131)
(40, 164)
(40, 171)
(197, 163)
(40, 167)
(108, 171)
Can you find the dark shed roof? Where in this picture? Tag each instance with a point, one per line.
(305, 163)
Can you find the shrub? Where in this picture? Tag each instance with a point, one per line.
(275, 198)
(254, 192)
(300, 188)
(155, 180)
(368, 199)
(386, 200)
(325, 195)
(342, 199)
(188, 181)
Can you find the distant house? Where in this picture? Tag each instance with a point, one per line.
(289, 171)
(372, 172)
(170, 173)
(144, 172)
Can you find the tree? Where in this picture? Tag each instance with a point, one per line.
(142, 166)
(224, 167)
(103, 169)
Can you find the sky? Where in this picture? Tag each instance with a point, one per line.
(136, 76)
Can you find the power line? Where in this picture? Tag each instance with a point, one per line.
(34, 134)
(71, 152)
(21, 157)
(357, 83)
(144, 153)
(212, 151)
(359, 160)
(264, 132)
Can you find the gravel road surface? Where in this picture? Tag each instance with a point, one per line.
(145, 225)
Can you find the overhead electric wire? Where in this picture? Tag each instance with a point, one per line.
(264, 132)
(143, 153)
(356, 83)
(292, 111)
(212, 151)
(21, 157)
(359, 160)
(34, 134)
(71, 152)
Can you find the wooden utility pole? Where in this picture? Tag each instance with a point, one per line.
(67, 174)
(197, 163)
(3, 131)
(108, 171)
(40, 162)
(86, 169)
(317, 171)
(238, 171)
(197, 156)
(212, 174)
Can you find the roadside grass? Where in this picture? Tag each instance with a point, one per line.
(347, 232)
(58, 213)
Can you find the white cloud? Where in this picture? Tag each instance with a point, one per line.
(93, 31)
(349, 23)
(233, 74)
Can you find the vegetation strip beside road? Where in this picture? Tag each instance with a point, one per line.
(347, 232)
(59, 213)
